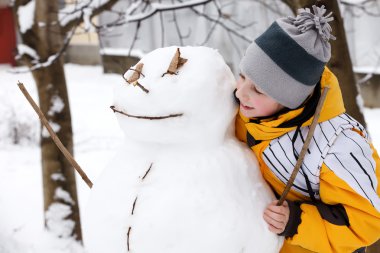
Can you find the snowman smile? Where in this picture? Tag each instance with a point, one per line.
(145, 117)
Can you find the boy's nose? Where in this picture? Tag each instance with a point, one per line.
(240, 94)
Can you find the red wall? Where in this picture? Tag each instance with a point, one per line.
(7, 36)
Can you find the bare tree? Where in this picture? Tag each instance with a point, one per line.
(46, 32)
(170, 15)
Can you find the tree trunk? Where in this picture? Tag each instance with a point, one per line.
(340, 62)
(374, 248)
(59, 187)
(58, 174)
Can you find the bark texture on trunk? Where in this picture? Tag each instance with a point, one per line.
(59, 187)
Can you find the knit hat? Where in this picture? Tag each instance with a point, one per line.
(287, 60)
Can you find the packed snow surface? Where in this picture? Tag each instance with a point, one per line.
(181, 182)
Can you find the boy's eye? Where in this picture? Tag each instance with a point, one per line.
(242, 76)
(254, 88)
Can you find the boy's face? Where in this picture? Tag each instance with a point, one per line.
(253, 101)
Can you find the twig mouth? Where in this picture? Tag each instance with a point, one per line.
(145, 117)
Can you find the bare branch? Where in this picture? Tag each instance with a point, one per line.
(89, 9)
(162, 28)
(224, 26)
(35, 65)
(138, 25)
(212, 29)
(159, 7)
(178, 29)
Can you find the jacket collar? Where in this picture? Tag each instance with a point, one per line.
(272, 127)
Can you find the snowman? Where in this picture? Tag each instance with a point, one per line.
(181, 183)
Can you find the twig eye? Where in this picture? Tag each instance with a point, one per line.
(175, 64)
(136, 76)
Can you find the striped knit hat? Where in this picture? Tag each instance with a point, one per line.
(288, 59)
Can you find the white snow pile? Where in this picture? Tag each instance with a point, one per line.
(25, 15)
(18, 124)
(24, 49)
(181, 182)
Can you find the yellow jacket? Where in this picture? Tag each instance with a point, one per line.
(336, 191)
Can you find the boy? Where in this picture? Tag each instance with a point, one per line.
(334, 202)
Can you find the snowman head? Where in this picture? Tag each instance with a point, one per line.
(190, 103)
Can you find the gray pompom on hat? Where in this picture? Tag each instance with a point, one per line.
(287, 60)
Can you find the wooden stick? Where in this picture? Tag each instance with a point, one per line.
(304, 147)
(55, 138)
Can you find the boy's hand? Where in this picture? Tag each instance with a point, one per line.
(277, 216)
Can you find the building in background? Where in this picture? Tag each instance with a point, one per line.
(7, 34)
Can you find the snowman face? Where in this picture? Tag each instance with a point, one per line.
(189, 104)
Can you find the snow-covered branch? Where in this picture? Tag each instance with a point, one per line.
(83, 11)
(153, 8)
(25, 15)
(28, 53)
(141, 10)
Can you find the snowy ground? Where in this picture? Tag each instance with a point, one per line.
(96, 137)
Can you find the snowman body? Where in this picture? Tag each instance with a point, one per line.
(179, 184)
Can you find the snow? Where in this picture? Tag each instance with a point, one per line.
(25, 15)
(372, 117)
(57, 105)
(360, 103)
(55, 126)
(57, 220)
(61, 194)
(25, 49)
(181, 176)
(96, 136)
(58, 177)
(154, 7)
(369, 69)
(73, 11)
(97, 139)
(87, 12)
